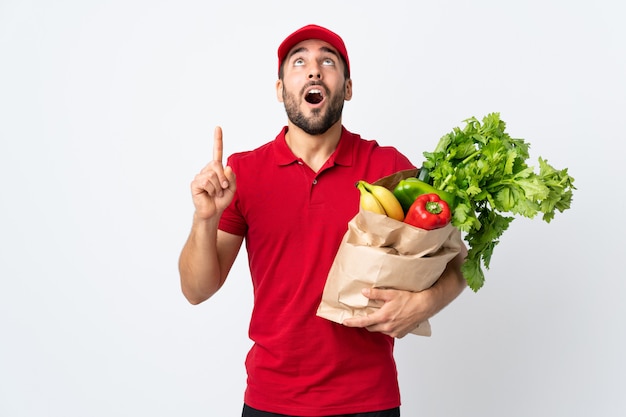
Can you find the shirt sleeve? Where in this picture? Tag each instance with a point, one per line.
(402, 162)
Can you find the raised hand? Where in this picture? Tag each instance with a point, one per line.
(214, 186)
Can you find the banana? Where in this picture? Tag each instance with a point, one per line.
(386, 199)
(368, 201)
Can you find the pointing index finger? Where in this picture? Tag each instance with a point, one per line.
(217, 144)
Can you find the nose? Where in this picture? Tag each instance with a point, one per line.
(315, 72)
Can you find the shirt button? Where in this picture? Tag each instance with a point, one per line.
(314, 182)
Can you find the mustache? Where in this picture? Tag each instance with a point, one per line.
(315, 83)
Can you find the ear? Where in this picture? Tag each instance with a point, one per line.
(279, 90)
(348, 89)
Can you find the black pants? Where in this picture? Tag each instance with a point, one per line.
(251, 412)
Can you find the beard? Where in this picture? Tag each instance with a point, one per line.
(319, 121)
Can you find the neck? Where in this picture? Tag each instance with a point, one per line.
(314, 150)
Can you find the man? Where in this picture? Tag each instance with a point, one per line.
(291, 200)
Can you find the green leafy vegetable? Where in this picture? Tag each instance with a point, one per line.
(487, 171)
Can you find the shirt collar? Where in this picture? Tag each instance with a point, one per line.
(342, 155)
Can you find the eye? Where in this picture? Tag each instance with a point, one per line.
(328, 62)
(298, 62)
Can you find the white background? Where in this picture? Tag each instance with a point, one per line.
(107, 111)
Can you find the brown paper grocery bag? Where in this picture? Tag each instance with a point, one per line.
(378, 251)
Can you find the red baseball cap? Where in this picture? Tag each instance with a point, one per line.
(312, 32)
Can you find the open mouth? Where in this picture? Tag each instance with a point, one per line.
(314, 96)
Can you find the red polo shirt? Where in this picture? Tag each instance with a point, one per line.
(293, 220)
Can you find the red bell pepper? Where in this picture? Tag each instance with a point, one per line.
(428, 212)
